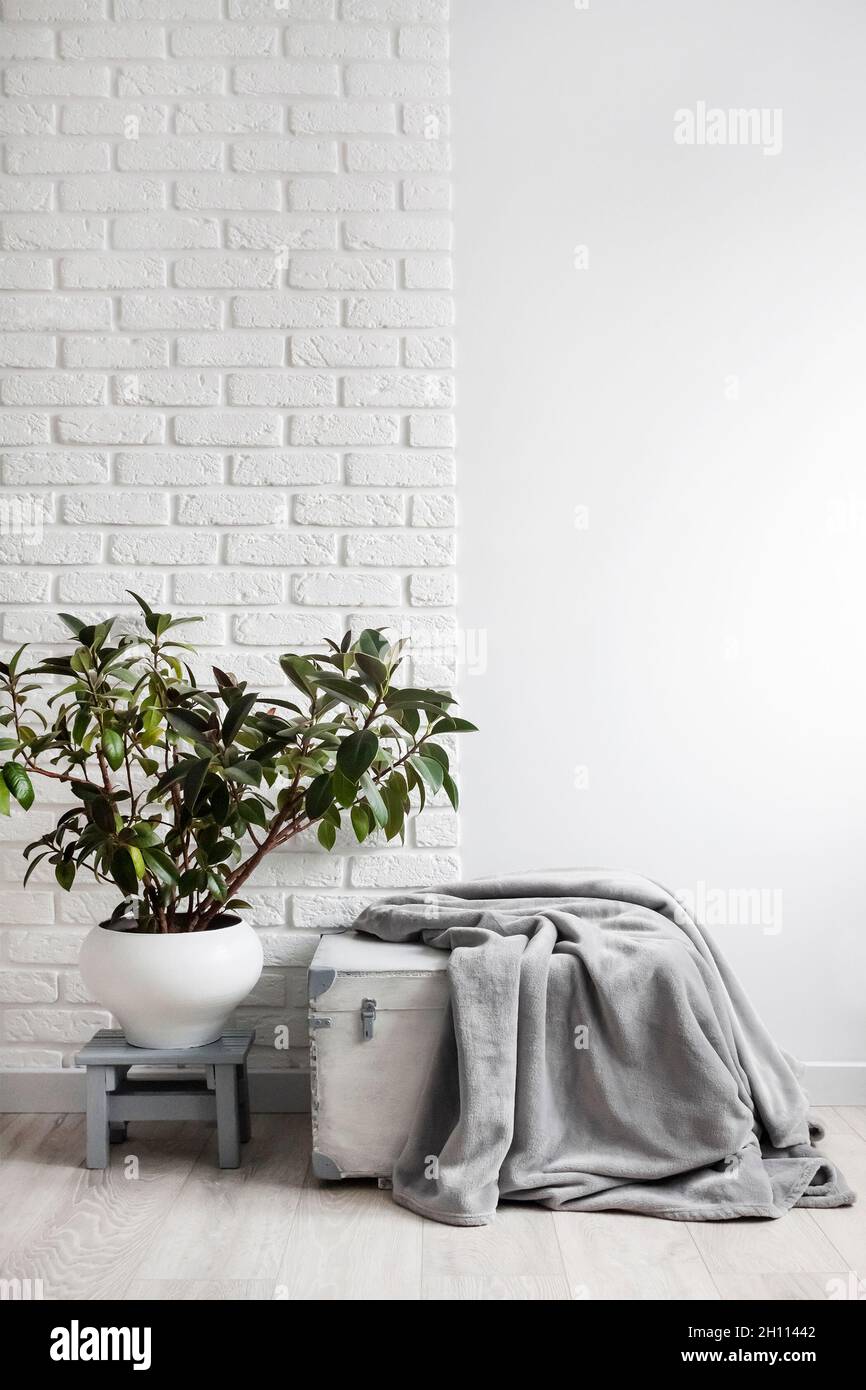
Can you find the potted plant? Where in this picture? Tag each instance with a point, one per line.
(178, 793)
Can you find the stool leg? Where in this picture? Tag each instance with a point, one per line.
(228, 1120)
(244, 1103)
(117, 1131)
(97, 1118)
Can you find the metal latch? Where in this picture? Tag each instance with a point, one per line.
(368, 1018)
(318, 1021)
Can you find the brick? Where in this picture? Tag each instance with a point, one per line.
(114, 352)
(110, 427)
(427, 273)
(33, 469)
(238, 508)
(426, 389)
(227, 271)
(228, 427)
(432, 590)
(280, 389)
(343, 118)
(26, 350)
(286, 631)
(173, 11)
(168, 230)
(294, 468)
(54, 1025)
(426, 195)
(60, 388)
(339, 589)
(25, 195)
(425, 43)
(60, 156)
(24, 428)
(344, 350)
(400, 469)
(170, 311)
(401, 81)
(54, 312)
(349, 509)
(397, 156)
(169, 154)
(28, 986)
(44, 947)
(113, 118)
(24, 586)
(227, 191)
(337, 41)
(111, 272)
(185, 469)
(285, 311)
(433, 509)
(107, 585)
(341, 273)
(56, 80)
(400, 311)
(111, 193)
(431, 431)
(398, 233)
(112, 41)
(168, 79)
(401, 551)
(288, 548)
(228, 117)
(396, 11)
(26, 908)
(326, 911)
(289, 9)
(26, 118)
(341, 428)
(286, 79)
(437, 830)
(171, 548)
(402, 870)
(283, 233)
(223, 41)
(341, 195)
(240, 587)
(426, 120)
(55, 548)
(26, 273)
(430, 350)
(26, 43)
(169, 388)
(291, 155)
(116, 509)
(230, 350)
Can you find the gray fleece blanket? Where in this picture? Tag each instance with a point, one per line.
(598, 1054)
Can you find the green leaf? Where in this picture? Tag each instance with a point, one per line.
(112, 747)
(237, 713)
(246, 771)
(64, 872)
(186, 723)
(432, 772)
(361, 818)
(451, 790)
(433, 750)
(319, 795)
(327, 835)
(375, 800)
(145, 608)
(450, 724)
(356, 753)
(162, 866)
(374, 669)
(194, 781)
(5, 804)
(300, 672)
(19, 784)
(254, 813)
(74, 624)
(351, 692)
(123, 870)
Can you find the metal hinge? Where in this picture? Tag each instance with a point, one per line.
(318, 1021)
(368, 1018)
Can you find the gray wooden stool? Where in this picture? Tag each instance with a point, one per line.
(113, 1099)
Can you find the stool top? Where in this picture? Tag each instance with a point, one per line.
(109, 1048)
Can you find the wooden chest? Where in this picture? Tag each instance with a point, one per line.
(376, 1010)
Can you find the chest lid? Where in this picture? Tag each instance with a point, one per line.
(349, 968)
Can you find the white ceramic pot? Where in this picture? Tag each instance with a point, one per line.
(172, 990)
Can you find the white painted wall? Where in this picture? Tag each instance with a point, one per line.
(700, 647)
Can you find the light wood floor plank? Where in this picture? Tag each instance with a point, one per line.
(40, 1158)
(520, 1243)
(234, 1223)
(855, 1117)
(833, 1119)
(793, 1244)
(214, 1290)
(845, 1227)
(481, 1289)
(350, 1241)
(89, 1240)
(778, 1288)
(610, 1255)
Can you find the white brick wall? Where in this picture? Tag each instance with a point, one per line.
(225, 375)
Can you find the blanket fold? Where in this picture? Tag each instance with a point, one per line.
(597, 1054)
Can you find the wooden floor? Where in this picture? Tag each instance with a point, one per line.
(165, 1223)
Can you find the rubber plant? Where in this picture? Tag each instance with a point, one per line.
(178, 792)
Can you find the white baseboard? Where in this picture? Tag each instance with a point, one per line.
(62, 1092)
(56, 1092)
